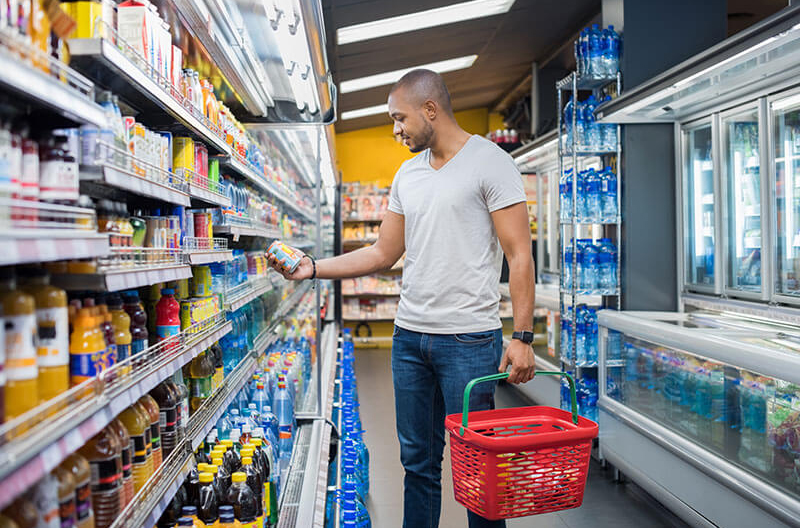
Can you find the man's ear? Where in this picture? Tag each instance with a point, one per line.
(430, 109)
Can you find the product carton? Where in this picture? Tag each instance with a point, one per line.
(133, 23)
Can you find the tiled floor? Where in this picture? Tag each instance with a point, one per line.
(606, 504)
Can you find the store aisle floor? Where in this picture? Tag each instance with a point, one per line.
(606, 504)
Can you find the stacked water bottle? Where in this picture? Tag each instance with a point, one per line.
(590, 135)
(596, 196)
(586, 392)
(596, 264)
(597, 52)
(586, 345)
(353, 454)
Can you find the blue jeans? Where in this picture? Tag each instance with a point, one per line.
(430, 372)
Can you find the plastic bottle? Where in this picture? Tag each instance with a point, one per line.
(168, 417)
(138, 426)
(228, 520)
(219, 367)
(243, 500)
(592, 139)
(565, 195)
(126, 457)
(231, 458)
(255, 482)
(23, 513)
(149, 404)
(186, 522)
(104, 319)
(580, 128)
(580, 196)
(168, 321)
(584, 51)
(22, 374)
(189, 511)
(263, 462)
(121, 324)
(201, 372)
(208, 507)
(608, 195)
(104, 454)
(607, 266)
(223, 475)
(567, 268)
(611, 47)
(592, 188)
(44, 495)
(138, 326)
(569, 109)
(66, 497)
(52, 336)
(588, 272)
(79, 468)
(182, 398)
(595, 52)
(284, 410)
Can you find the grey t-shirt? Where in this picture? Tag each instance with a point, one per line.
(453, 257)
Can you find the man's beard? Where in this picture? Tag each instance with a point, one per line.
(424, 141)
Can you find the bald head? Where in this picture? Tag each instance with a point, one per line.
(424, 85)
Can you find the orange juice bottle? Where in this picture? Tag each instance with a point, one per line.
(119, 430)
(52, 336)
(104, 454)
(82, 475)
(148, 436)
(87, 356)
(121, 323)
(136, 424)
(22, 373)
(149, 403)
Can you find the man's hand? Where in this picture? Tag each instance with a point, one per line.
(303, 271)
(523, 362)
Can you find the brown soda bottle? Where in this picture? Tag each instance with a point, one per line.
(137, 425)
(66, 497)
(78, 466)
(104, 454)
(168, 419)
(151, 406)
(126, 456)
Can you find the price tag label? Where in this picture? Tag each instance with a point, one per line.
(46, 250)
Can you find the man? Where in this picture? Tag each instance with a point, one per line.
(454, 209)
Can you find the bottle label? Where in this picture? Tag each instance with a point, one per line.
(127, 452)
(137, 345)
(123, 352)
(52, 337)
(285, 431)
(250, 524)
(148, 442)
(155, 434)
(86, 365)
(166, 331)
(105, 475)
(201, 387)
(83, 498)
(265, 499)
(167, 419)
(111, 355)
(139, 449)
(20, 348)
(66, 512)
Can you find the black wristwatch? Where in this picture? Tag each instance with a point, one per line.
(525, 337)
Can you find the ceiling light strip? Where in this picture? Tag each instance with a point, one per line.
(363, 112)
(382, 79)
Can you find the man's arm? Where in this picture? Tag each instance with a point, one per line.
(377, 257)
(513, 230)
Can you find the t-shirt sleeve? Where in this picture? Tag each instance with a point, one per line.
(395, 205)
(502, 186)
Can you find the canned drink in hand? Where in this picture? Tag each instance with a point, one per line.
(287, 257)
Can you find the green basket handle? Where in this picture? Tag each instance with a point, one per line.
(504, 375)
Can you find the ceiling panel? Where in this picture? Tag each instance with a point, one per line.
(506, 45)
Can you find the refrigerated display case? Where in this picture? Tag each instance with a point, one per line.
(785, 116)
(699, 213)
(704, 414)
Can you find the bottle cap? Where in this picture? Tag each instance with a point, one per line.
(235, 412)
(201, 467)
(167, 291)
(227, 508)
(239, 477)
(228, 443)
(185, 521)
(246, 429)
(188, 511)
(256, 442)
(217, 461)
(206, 478)
(213, 469)
(226, 517)
(247, 452)
(246, 461)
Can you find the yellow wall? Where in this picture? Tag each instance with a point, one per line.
(372, 155)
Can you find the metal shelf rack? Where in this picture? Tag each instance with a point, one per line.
(571, 84)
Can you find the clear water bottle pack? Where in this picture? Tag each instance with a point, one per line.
(597, 52)
(595, 196)
(588, 135)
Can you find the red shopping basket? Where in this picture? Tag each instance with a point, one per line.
(522, 461)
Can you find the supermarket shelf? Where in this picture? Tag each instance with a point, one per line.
(133, 183)
(584, 82)
(362, 220)
(583, 152)
(74, 101)
(244, 293)
(371, 295)
(372, 341)
(590, 293)
(197, 258)
(19, 246)
(615, 221)
(201, 193)
(240, 167)
(368, 320)
(237, 231)
(38, 441)
(104, 63)
(124, 279)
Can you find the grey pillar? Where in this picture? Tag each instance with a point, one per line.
(657, 35)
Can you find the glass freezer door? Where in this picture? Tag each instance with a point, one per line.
(743, 186)
(786, 121)
(699, 236)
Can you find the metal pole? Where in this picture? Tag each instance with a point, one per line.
(574, 320)
(318, 252)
